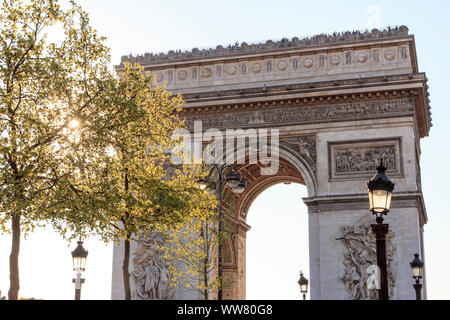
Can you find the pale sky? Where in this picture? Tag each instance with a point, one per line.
(139, 26)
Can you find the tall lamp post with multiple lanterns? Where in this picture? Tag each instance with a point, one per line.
(417, 273)
(380, 194)
(237, 184)
(79, 256)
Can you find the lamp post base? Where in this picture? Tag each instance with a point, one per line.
(78, 282)
(418, 287)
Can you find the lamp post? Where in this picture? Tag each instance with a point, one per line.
(380, 194)
(417, 273)
(237, 184)
(303, 283)
(79, 256)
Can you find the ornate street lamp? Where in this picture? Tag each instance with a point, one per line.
(240, 187)
(380, 194)
(79, 256)
(417, 273)
(303, 283)
(234, 180)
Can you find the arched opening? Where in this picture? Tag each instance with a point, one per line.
(277, 244)
(291, 170)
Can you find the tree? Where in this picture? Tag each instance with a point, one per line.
(46, 89)
(79, 147)
(125, 182)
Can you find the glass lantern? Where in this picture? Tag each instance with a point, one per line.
(416, 267)
(380, 191)
(79, 256)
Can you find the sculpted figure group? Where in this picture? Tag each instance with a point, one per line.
(151, 275)
(359, 272)
(364, 159)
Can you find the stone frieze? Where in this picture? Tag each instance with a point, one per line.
(303, 114)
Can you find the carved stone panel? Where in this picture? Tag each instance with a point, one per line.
(359, 159)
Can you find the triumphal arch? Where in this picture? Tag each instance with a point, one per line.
(340, 102)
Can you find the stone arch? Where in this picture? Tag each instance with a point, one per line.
(288, 157)
(293, 168)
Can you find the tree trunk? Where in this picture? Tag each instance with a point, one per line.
(13, 293)
(204, 235)
(205, 279)
(126, 256)
(125, 270)
(206, 274)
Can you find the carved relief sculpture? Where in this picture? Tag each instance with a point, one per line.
(305, 114)
(151, 275)
(359, 158)
(373, 281)
(359, 256)
(365, 159)
(305, 146)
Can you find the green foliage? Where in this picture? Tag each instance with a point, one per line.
(43, 87)
(124, 183)
(121, 185)
(192, 247)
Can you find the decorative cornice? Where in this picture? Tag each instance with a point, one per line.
(311, 87)
(337, 37)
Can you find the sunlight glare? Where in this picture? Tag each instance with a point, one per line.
(74, 124)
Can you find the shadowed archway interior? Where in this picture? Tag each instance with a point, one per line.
(237, 207)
